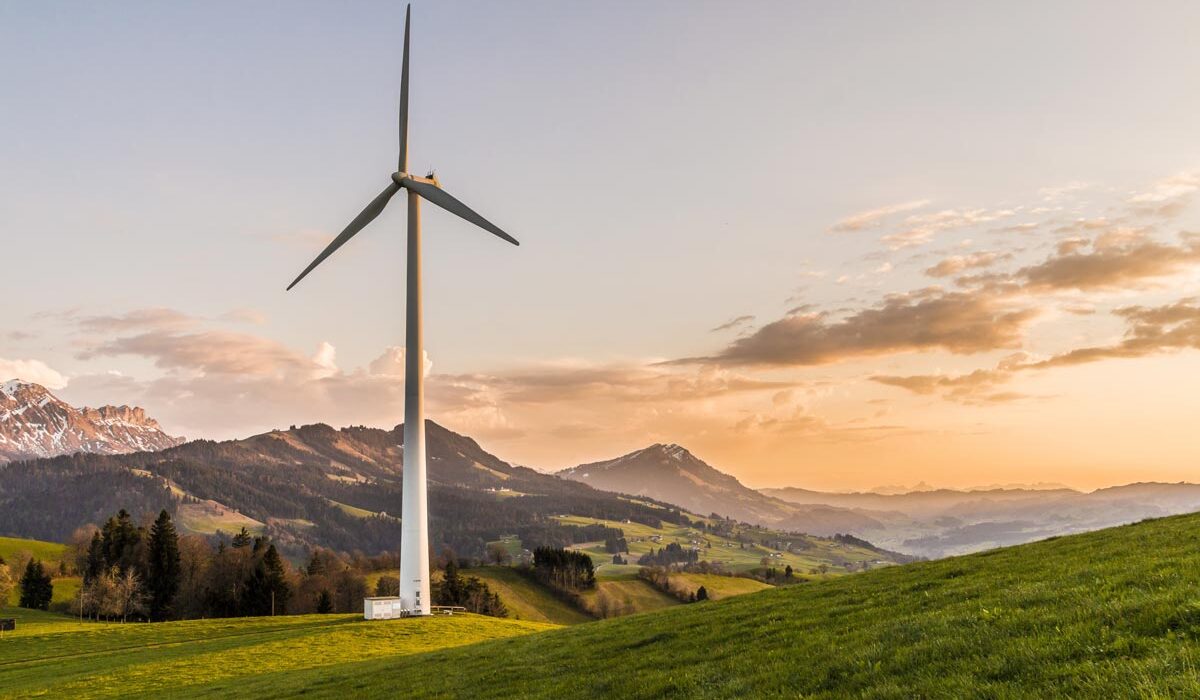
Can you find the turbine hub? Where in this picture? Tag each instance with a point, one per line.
(400, 177)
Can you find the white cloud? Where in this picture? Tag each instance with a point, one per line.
(391, 363)
(325, 360)
(34, 371)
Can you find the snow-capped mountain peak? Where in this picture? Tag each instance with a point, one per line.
(35, 423)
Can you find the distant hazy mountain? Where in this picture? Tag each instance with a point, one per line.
(34, 423)
(943, 522)
(921, 504)
(674, 475)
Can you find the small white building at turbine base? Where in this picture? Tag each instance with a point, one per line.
(384, 608)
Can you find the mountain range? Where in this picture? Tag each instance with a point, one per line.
(945, 522)
(318, 485)
(313, 485)
(34, 423)
(672, 474)
(928, 522)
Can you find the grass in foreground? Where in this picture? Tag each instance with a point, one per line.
(53, 656)
(1114, 613)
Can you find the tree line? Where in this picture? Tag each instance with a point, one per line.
(673, 553)
(563, 569)
(150, 573)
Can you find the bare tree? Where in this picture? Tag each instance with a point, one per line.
(6, 584)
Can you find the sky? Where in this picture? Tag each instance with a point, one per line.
(828, 245)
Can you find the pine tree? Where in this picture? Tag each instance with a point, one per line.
(164, 571)
(36, 587)
(276, 581)
(242, 539)
(324, 602)
(451, 590)
(387, 586)
(121, 539)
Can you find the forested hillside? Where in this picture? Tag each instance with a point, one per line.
(313, 485)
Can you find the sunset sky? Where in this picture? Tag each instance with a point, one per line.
(829, 245)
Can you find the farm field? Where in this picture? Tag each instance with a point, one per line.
(628, 595)
(46, 551)
(1111, 613)
(50, 553)
(53, 656)
(210, 517)
(719, 587)
(833, 556)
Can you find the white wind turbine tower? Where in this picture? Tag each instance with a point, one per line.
(414, 541)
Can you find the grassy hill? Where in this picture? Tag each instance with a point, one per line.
(50, 553)
(46, 551)
(626, 593)
(718, 587)
(1114, 613)
(525, 599)
(806, 556)
(51, 655)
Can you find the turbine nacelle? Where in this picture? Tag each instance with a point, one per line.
(402, 179)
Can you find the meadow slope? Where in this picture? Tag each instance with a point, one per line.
(1113, 613)
(51, 655)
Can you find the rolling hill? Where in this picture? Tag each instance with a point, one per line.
(672, 474)
(319, 486)
(1103, 614)
(1111, 613)
(14, 550)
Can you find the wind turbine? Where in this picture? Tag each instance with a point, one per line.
(414, 538)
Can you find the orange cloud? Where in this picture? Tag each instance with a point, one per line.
(957, 263)
(930, 319)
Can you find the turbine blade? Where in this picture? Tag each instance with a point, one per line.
(443, 199)
(404, 97)
(364, 217)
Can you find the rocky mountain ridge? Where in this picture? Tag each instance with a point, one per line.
(34, 424)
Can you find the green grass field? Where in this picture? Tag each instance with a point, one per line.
(1114, 613)
(525, 599)
(353, 510)
(719, 587)
(727, 551)
(632, 594)
(51, 656)
(511, 544)
(1109, 614)
(46, 551)
(49, 552)
(209, 517)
